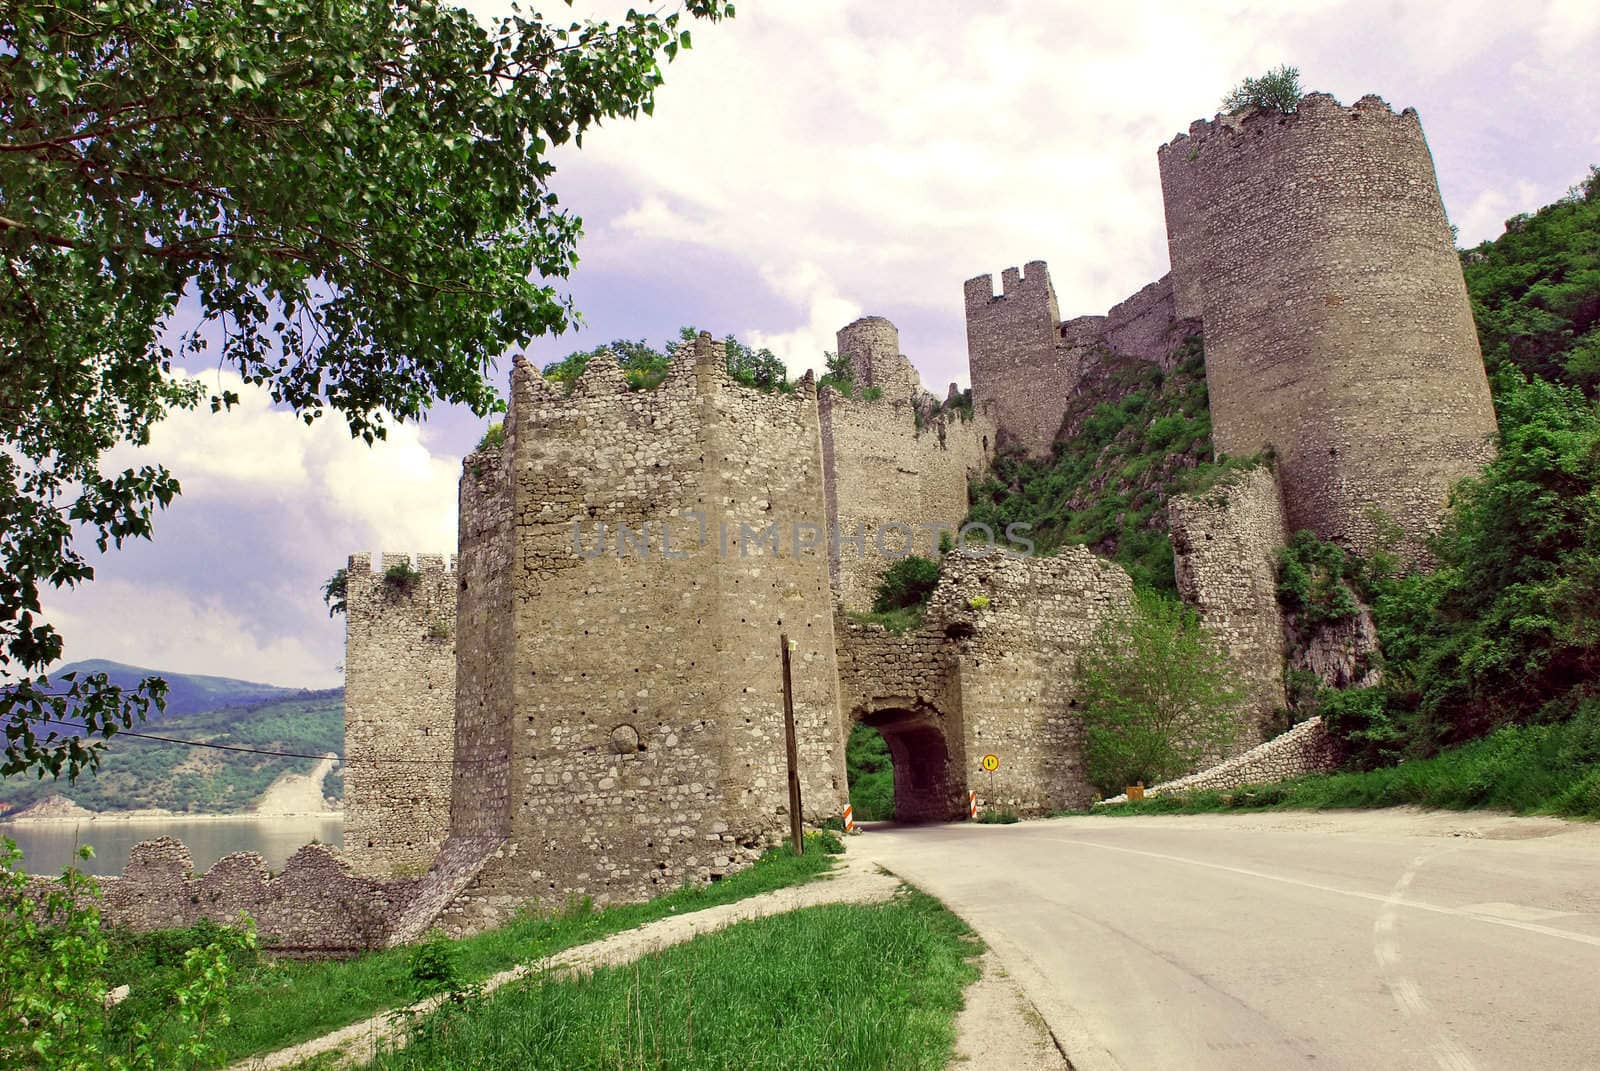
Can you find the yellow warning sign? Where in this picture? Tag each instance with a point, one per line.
(991, 763)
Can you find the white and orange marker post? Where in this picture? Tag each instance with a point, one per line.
(849, 819)
(972, 804)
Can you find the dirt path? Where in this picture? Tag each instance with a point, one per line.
(856, 882)
(297, 793)
(1000, 1030)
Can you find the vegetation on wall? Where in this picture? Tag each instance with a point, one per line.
(1156, 695)
(1131, 438)
(645, 368)
(1277, 90)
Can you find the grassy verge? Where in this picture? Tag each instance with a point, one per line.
(279, 1003)
(1534, 769)
(859, 987)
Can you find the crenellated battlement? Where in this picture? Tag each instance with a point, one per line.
(361, 565)
(1242, 129)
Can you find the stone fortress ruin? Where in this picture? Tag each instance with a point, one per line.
(586, 699)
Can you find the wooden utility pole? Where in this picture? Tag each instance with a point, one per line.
(797, 833)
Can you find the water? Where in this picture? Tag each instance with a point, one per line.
(48, 847)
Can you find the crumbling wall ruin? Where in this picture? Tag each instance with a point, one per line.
(1225, 544)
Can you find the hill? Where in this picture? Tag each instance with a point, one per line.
(138, 773)
(187, 693)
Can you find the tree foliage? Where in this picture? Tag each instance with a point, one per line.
(1277, 90)
(1156, 696)
(1507, 628)
(54, 965)
(352, 202)
(1536, 291)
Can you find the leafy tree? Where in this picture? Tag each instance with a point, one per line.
(840, 374)
(643, 366)
(336, 591)
(1157, 697)
(354, 197)
(1277, 90)
(1536, 291)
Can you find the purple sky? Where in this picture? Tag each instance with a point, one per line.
(811, 162)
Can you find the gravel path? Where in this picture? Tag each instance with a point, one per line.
(857, 881)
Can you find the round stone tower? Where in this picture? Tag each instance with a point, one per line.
(873, 346)
(1315, 250)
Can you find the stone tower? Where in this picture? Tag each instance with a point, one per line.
(873, 345)
(628, 560)
(399, 711)
(1314, 249)
(1016, 355)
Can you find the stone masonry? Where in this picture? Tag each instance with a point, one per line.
(1315, 250)
(892, 482)
(1225, 543)
(400, 703)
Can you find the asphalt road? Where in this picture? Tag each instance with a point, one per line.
(1388, 939)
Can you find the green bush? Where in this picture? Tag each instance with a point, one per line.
(494, 437)
(1155, 695)
(905, 584)
(870, 773)
(1312, 581)
(57, 965)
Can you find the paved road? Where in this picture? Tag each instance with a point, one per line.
(1390, 939)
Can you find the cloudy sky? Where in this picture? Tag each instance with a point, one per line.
(817, 160)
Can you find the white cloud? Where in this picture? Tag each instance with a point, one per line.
(801, 348)
(1485, 217)
(158, 627)
(270, 507)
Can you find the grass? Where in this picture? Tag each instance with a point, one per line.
(1001, 816)
(901, 621)
(1532, 769)
(279, 1003)
(843, 986)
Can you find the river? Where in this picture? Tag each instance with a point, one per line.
(47, 847)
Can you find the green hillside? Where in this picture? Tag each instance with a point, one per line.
(138, 773)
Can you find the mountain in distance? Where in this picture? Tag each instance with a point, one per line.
(137, 773)
(187, 693)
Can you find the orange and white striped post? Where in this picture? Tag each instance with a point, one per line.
(972, 804)
(849, 819)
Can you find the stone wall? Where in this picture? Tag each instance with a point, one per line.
(1315, 248)
(1146, 325)
(894, 479)
(1018, 361)
(1225, 544)
(1018, 625)
(315, 906)
(399, 722)
(646, 596)
(1305, 749)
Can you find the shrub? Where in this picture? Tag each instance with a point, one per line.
(1312, 581)
(401, 578)
(978, 602)
(907, 583)
(431, 966)
(494, 437)
(1277, 90)
(1156, 696)
(55, 961)
(1001, 816)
